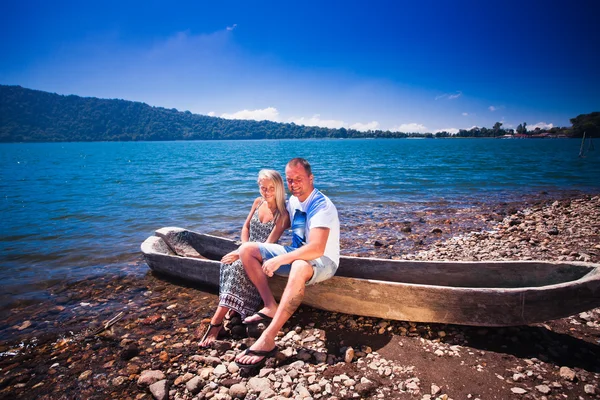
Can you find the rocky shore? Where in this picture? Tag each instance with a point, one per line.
(136, 338)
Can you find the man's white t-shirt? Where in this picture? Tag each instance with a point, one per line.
(320, 213)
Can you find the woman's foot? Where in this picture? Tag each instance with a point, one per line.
(265, 315)
(231, 314)
(211, 334)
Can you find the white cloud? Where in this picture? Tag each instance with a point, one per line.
(230, 28)
(495, 108)
(466, 114)
(449, 96)
(269, 113)
(316, 120)
(211, 114)
(541, 125)
(452, 131)
(409, 128)
(369, 126)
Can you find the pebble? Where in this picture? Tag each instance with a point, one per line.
(567, 373)
(160, 390)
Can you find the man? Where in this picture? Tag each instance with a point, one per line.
(313, 257)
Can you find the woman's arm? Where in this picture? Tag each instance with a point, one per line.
(245, 236)
(282, 224)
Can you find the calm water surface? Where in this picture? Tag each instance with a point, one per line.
(70, 210)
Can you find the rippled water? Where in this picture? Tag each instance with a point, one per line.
(76, 209)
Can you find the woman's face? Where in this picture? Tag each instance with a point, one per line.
(267, 189)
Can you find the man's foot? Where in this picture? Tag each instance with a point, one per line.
(211, 334)
(263, 356)
(265, 315)
(257, 354)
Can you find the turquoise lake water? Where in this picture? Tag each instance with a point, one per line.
(72, 210)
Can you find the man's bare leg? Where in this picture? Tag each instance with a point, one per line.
(291, 299)
(252, 262)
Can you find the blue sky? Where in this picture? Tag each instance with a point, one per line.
(400, 65)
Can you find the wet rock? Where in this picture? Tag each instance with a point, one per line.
(129, 352)
(85, 375)
(119, 380)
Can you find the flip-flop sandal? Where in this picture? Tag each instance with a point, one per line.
(261, 353)
(210, 326)
(264, 318)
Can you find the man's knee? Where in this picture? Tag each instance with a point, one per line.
(301, 270)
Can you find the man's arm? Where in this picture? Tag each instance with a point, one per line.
(315, 248)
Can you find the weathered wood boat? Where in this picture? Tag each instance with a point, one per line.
(501, 293)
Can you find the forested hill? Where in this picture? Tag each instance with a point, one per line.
(34, 116)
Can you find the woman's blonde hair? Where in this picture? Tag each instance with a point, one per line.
(274, 177)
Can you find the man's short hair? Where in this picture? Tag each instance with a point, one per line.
(301, 161)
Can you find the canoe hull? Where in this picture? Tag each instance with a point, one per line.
(412, 301)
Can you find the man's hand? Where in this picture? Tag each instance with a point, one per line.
(231, 257)
(272, 265)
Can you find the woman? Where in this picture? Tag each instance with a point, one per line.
(267, 220)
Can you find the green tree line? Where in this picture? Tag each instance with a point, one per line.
(28, 115)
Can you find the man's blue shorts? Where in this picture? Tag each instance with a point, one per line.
(323, 267)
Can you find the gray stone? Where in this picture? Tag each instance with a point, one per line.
(148, 377)
(567, 373)
(160, 390)
(302, 391)
(365, 389)
(194, 385)
(220, 370)
(518, 390)
(590, 389)
(267, 394)
(259, 384)
(320, 357)
(238, 391)
(544, 389)
(349, 355)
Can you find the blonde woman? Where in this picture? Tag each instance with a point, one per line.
(267, 220)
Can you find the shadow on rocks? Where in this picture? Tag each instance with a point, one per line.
(532, 342)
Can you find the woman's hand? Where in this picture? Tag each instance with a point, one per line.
(231, 257)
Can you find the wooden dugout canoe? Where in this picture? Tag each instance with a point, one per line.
(484, 293)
